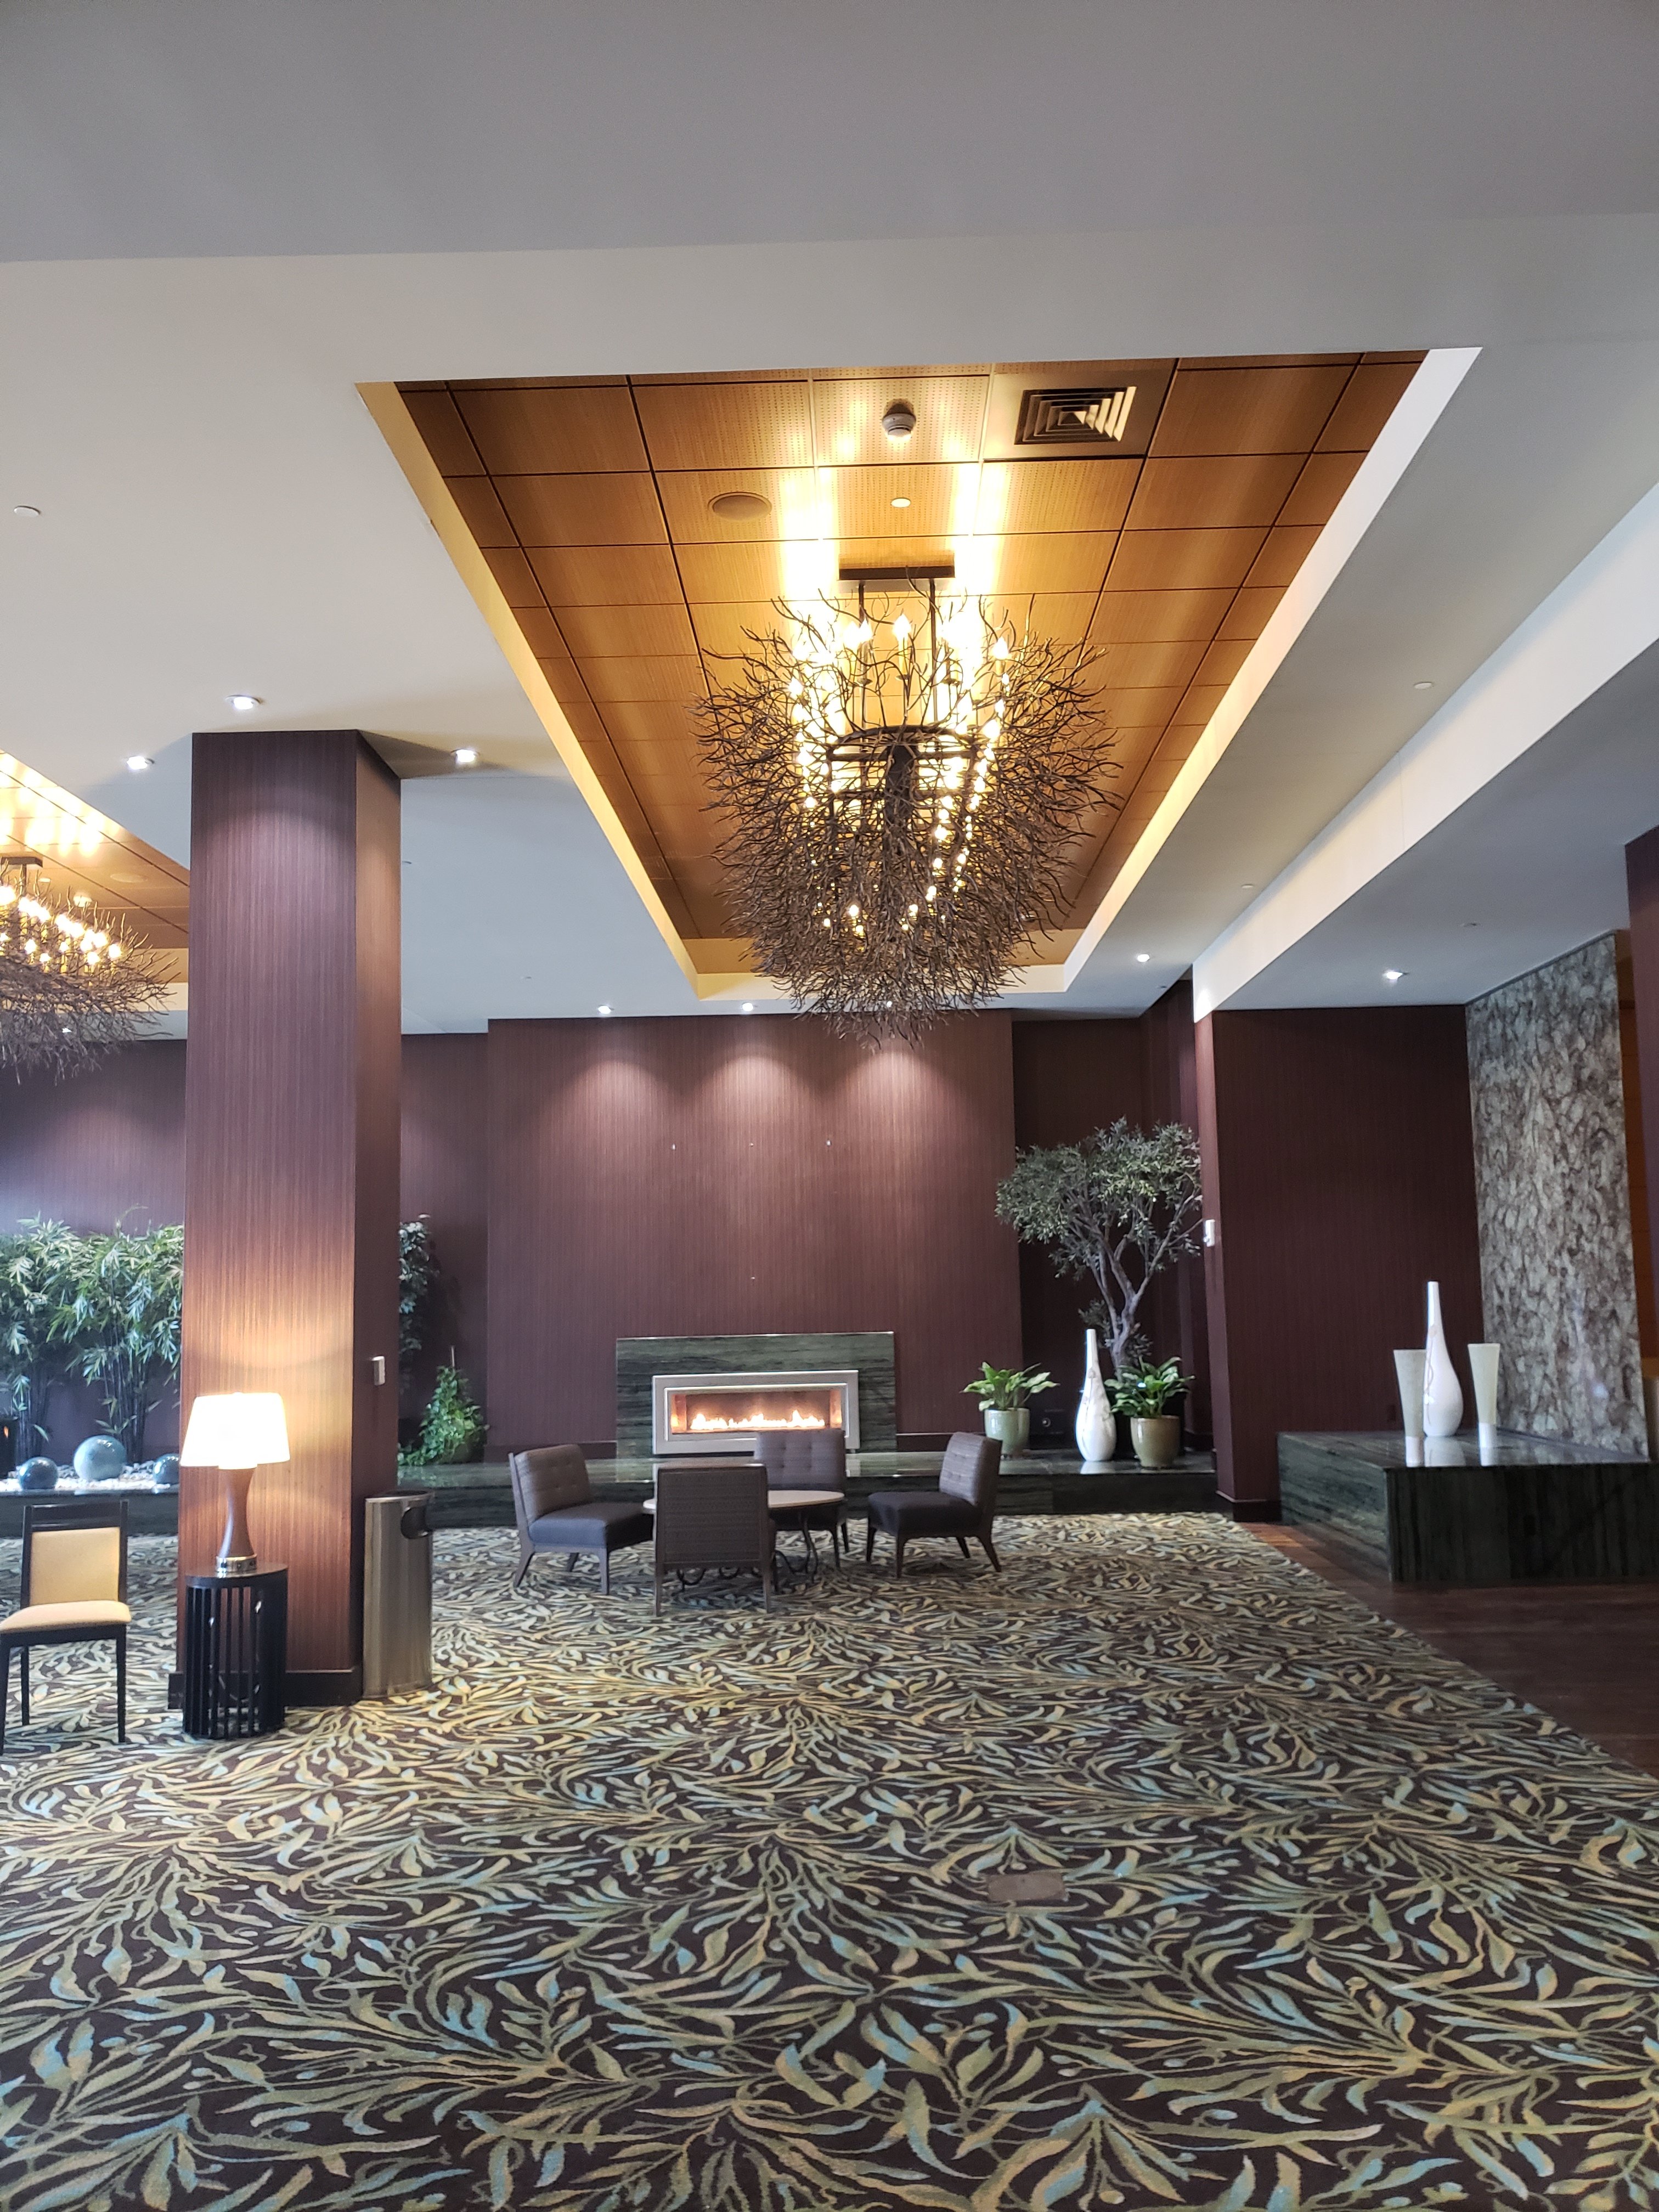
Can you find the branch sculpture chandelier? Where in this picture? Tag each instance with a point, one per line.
(72, 990)
(905, 784)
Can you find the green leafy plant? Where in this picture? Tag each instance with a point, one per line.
(452, 1430)
(1119, 1208)
(1005, 1389)
(118, 1314)
(40, 1262)
(1143, 1393)
(418, 1278)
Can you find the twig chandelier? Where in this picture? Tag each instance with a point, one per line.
(72, 988)
(906, 783)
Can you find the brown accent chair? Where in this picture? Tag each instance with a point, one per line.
(964, 1506)
(806, 1459)
(713, 1516)
(74, 1591)
(555, 1507)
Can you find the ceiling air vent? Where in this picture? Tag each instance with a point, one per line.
(1064, 418)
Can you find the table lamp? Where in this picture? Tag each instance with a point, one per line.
(235, 1431)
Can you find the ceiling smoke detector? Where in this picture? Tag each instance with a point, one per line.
(739, 506)
(1071, 417)
(899, 421)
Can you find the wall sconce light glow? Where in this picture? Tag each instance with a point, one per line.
(606, 1011)
(243, 702)
(139, 762)
(1392, 974)
(1143, 957)
(466, 755)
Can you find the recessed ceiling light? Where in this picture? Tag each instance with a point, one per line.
(466, 755)
(28, 514)
(604, 1010)
(748, 1005)
(1392, 974)
(899, 420)
(1247, 887)
(243, 702)
(1143, 957)
(1422, 684)
(139, 762)
(739, 506)
(901, 502)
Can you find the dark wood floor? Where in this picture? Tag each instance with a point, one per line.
(1587, 1653)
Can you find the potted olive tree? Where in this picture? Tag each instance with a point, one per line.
(1003, 1393)
(1118, 1208)
(1144, 1395)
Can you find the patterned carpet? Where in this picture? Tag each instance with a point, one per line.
(631, 1915)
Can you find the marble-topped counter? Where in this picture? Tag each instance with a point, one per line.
(1509, 1508)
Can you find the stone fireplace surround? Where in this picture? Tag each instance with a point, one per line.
(641, 1359)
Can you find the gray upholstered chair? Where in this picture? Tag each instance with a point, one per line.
(713, 1516)
(806, 1459)
(74, 1591)
(964, 1506)
(555, 1507)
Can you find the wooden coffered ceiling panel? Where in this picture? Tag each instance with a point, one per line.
(592, 501)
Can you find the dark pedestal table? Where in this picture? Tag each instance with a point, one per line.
(235, 1672)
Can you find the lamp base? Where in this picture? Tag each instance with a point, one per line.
(236, 1553)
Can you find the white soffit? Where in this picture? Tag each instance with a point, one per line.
(1600, 620)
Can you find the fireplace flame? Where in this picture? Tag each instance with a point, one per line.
(711, 1423)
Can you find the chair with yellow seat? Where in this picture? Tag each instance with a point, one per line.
(74, 1591)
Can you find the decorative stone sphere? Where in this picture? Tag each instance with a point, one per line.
(38, 1474)
(165, 1472)
(100, 1459)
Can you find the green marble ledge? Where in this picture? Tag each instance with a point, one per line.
(1527, 1509)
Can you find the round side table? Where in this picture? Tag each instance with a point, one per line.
(235, 1653)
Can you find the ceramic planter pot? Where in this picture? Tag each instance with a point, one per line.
(1012, 1424)
(1157, 1438)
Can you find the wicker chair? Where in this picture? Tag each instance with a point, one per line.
(964, 1506)
(807, 1459)
(74, 1591)
(713, 1516)
(555, 1507)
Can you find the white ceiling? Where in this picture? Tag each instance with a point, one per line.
(222, 216)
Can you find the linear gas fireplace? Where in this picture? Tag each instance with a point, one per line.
(724, 1412)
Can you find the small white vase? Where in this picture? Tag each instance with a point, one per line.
(1096, 1426)
(1408, 1367)
(1483, 1373)
(1442, 1394)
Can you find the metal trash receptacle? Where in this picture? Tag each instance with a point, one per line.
(396, 1594)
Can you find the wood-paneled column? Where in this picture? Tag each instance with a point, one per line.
(1338, 1169)
(291, 1156)
(1641, 873)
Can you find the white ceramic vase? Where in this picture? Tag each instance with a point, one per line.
(1408, 1367)
(1096, 1426)
(1483, 1373)
(1442, 1394)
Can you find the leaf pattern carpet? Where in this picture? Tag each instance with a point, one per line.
(630, 1914)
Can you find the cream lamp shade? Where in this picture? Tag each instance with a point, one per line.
(237, 1428)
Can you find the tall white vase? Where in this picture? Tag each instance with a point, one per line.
(1442, 1394)
(1096, 1426)
(1408, 1366)
(1483, 1373)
